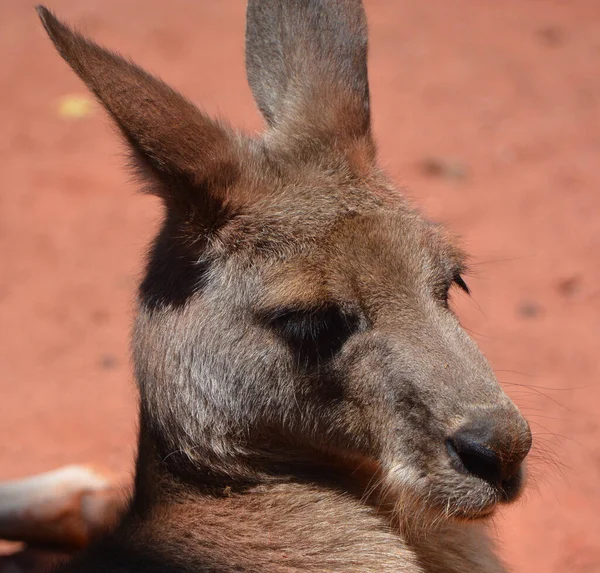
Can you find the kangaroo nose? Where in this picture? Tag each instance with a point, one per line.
(491, 451)
(475, 458)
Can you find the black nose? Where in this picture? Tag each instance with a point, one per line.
(470, 456)
(492, 447)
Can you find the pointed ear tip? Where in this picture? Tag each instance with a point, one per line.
(53, 26)
(43, 12)
(49, 20)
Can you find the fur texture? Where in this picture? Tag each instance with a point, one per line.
(309, 402)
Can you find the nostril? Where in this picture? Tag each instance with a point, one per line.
(471, 457)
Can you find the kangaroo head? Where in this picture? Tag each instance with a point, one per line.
(295, 307)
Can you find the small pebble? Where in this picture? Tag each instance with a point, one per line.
(551, 36)
(446, 168)
(529, 309)
(569, 286)
(108, 362)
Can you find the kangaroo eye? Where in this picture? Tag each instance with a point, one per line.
(460, 283)
(317, 335)
(443, 291)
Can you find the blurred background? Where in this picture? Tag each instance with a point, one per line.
(487, 112)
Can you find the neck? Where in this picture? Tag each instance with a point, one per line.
(162, 467)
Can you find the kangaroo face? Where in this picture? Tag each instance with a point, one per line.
(322, 328)
(295, 309)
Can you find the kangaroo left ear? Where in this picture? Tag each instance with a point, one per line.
(192, 158)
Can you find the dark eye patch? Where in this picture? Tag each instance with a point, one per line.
(317, 334)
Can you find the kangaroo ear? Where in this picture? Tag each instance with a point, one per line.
(306, 62)
(190, 158)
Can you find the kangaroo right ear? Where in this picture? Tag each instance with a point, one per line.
(306, 62)
(190, 159)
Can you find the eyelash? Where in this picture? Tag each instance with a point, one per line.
(444, 292)
(460, 282)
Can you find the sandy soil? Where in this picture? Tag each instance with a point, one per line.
(488, 112)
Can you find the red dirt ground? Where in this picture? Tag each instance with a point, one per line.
(488, 112)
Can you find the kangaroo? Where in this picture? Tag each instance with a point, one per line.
(308, 399)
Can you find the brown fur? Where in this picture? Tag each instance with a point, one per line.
(308, 400)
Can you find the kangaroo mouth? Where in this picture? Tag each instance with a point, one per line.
(450, 493)
(479, 515)
(480, 498)
(508, 486)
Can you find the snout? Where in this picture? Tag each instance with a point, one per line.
(492, 447)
